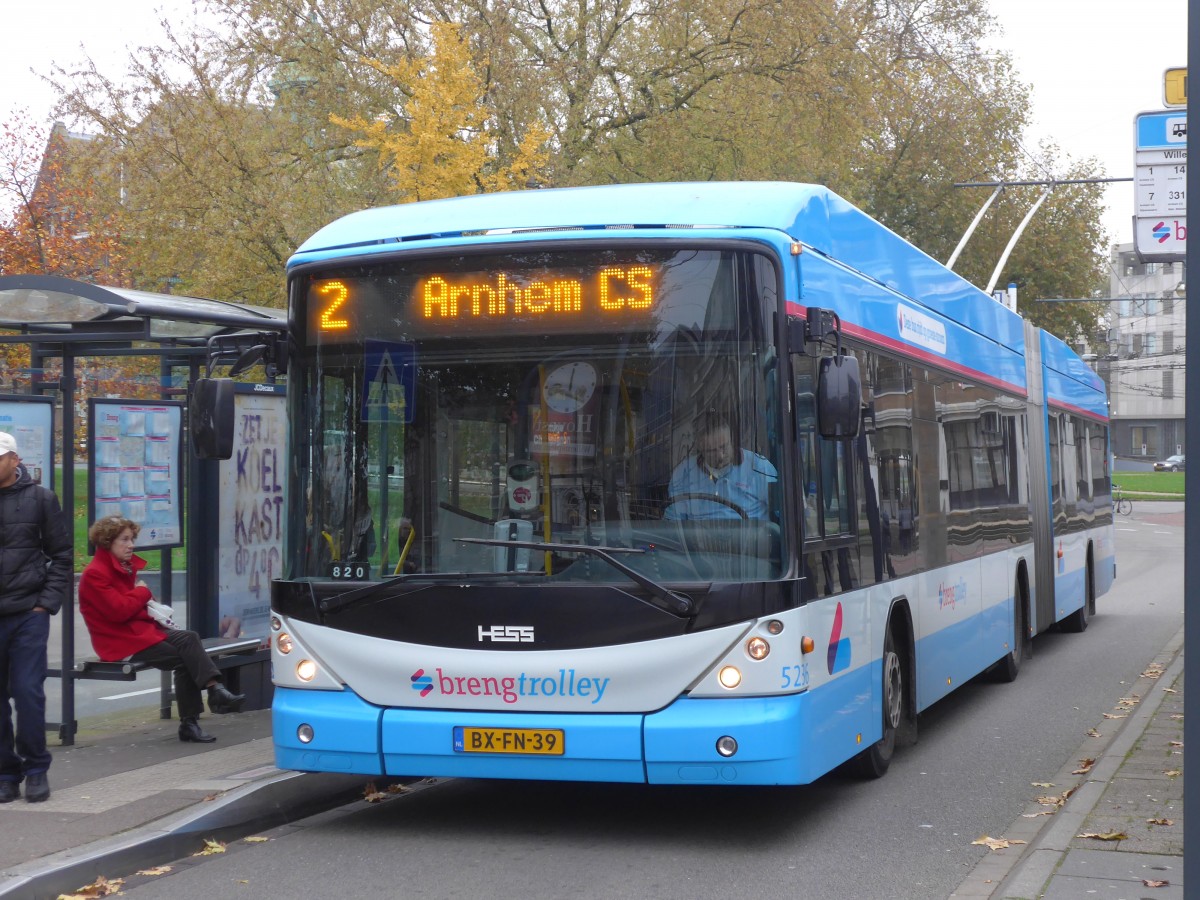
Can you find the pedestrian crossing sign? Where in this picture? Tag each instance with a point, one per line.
(389, 382)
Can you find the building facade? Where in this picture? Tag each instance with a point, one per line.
(1143, 363)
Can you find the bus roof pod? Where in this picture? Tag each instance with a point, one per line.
(810, 214)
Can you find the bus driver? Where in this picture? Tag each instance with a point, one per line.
(721, 481)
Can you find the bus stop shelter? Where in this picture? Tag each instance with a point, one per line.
(62, 319)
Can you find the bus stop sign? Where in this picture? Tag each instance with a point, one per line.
(1160, 158)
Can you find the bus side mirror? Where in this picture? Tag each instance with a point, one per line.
(839, 397)
(211, 414)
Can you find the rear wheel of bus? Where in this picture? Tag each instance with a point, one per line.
(1009, 667)
(1077, 621)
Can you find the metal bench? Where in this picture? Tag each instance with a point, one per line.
(127, 670)
(226, 653)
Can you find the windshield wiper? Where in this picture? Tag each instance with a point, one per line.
(368, 592)
(668, 600)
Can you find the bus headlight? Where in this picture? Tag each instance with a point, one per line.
(284, 643)
(757, 648)
(729, 677)
(306, 670)
(275, 623)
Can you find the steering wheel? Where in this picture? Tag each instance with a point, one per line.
(713, 498)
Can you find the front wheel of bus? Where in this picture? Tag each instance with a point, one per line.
(874, 761)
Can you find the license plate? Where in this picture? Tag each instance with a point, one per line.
(528, 741)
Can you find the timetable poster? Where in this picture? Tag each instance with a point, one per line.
(30, 420)
(135, 467)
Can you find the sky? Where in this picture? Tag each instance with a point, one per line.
(1093, 65)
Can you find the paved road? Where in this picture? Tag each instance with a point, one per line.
(908, 835)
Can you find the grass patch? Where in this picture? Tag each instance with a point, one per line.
(1152, 485)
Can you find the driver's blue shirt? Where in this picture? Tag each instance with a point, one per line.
(744, 484)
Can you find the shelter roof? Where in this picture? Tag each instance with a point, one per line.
(59, 308)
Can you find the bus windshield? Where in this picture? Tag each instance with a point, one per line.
(459, 408)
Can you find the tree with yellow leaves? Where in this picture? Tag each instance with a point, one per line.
(445, 144)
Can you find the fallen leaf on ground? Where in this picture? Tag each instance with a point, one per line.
(1161, 821)
(157, 870)
(1174, 743)
(1059, 800)
(211, 848)
(1151, 882)
(1044, 812)
(371, 794)
(101, 887)
(1085, 766)
(398, 789)
(1128, 702)
(1113, 716)
(1092, 732)
(1171, 773)
(1170, 691)
(1104, 835)
(1175, 716)
(1042, 783)
(1152, 671)
(211, 797)
(255, 839)
(996, 843)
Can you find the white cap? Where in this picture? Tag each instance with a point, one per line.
(8, 443)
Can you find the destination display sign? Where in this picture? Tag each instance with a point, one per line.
(506, 298)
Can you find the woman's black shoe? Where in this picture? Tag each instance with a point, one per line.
(221, 700)
(191, 732)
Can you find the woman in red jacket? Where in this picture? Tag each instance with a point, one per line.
(113, 602)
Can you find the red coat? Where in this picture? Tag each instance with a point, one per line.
(114, 609)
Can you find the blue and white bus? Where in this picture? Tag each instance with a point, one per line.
(667, 483)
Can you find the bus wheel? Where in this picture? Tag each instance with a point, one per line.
(1007, 669)
(874, 761)
(1077, 621)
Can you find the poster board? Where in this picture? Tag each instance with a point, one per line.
(251, 511)
(30, 419)
(134, 467)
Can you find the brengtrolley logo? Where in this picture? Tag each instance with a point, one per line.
(839, 647)
(920, 329)
(512, 688)
(1161, 232)
(422, 682)
(952, 594)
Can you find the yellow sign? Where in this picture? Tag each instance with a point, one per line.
(1175, 87)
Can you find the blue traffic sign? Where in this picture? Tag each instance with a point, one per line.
(389, 385)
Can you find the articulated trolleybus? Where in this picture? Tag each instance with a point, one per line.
(672, 483)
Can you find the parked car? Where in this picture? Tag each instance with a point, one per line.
(1170, 464)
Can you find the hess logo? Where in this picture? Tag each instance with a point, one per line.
(512, 634)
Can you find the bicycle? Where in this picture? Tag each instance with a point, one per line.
(1121, 504)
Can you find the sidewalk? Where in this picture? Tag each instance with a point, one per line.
(1130, 800)
(129, 794)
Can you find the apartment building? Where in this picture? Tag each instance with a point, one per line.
(1143, 363)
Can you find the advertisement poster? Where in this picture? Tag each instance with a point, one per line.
(135, 467)
(31, 421)
(252, 510)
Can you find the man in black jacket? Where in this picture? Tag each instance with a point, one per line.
(35, 571)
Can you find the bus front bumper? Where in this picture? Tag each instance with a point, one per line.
(676, 745)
